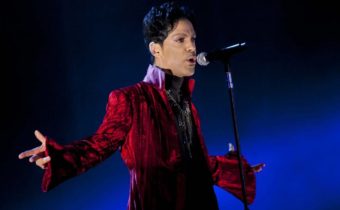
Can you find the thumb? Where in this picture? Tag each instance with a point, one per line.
(40, 137)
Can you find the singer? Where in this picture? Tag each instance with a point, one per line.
(156, 128)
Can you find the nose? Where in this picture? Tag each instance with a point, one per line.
(191, 47)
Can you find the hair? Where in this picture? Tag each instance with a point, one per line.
(161, 19)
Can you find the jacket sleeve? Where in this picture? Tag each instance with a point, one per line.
(226, 174)
(70, 160)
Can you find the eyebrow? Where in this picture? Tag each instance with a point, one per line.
(185, 34)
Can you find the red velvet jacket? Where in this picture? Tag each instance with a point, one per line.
(139, 121)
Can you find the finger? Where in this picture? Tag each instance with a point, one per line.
(41, 162)
(258, 167)
(258, 170)
(231, 147)
(34, 158)
(31, 152)
(40, 166)
(40, 136)
(255, 168)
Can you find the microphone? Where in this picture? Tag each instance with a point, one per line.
(223, 54)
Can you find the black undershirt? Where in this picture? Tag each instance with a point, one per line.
(199, 190)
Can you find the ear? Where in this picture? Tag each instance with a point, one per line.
(154, 49)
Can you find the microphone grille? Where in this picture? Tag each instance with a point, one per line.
(201, 59)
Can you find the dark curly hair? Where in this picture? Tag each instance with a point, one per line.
(160, 20)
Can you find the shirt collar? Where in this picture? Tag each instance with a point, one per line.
(156, 77)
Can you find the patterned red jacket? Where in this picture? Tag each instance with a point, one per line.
(140, 123)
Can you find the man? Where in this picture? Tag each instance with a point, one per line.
(156, 128)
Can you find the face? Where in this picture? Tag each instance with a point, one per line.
(178, 51)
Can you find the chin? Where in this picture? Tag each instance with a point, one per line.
(190, 72)
(187, 72)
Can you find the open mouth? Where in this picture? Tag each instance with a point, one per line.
(192, 60)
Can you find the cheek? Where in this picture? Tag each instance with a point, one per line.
(173, 57)
(176, 61)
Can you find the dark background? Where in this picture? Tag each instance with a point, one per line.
(61, 59)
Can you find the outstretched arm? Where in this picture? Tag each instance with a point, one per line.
(62, 162)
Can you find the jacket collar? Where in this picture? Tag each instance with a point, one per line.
(156, 77)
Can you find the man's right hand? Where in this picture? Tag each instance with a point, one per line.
(37, 154)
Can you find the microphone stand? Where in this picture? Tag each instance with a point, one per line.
(237, 139)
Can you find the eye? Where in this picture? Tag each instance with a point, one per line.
(180, 40)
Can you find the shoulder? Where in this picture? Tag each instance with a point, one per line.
(130, 92)
(137, 89)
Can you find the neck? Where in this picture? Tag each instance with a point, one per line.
(173, 82)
